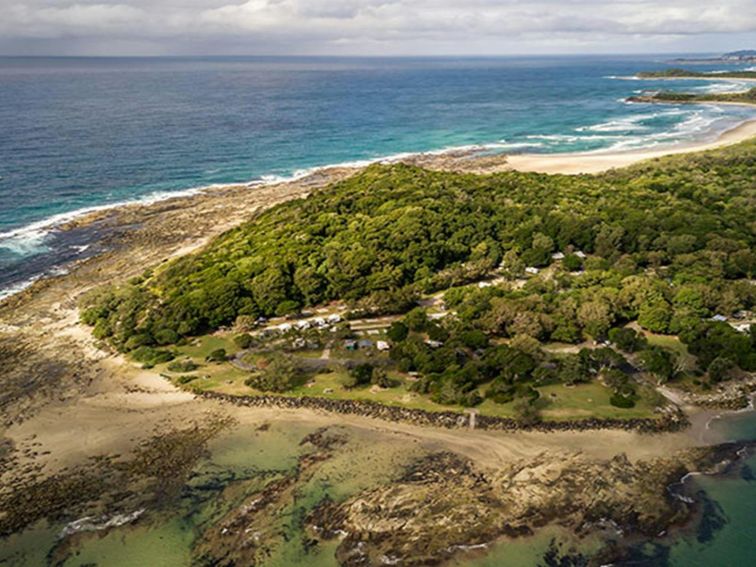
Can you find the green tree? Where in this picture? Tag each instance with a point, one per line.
(595, 317)
(417, 319)
(572, 263)
(658, 361)
(511, 265)
(539, 253)
(627, 339)
(655, 317)
(720, 369)
(279, 375)
(397, 332)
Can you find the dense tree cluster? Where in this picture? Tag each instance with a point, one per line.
(462, 364)
(668, 243)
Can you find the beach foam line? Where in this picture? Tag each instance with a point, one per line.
(29, 238)
(37, 228)
(34, 233)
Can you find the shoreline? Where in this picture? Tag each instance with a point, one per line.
(478, 158)
(600, 161)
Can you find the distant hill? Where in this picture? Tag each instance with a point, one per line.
(741, 56)
(747, 54)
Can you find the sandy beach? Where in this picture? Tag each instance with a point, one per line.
(596, 162)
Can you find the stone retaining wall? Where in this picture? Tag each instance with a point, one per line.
(670, 421)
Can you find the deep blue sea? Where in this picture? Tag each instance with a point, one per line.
(77, 133)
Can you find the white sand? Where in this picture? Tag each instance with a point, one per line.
(596, 162)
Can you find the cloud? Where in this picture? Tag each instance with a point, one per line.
(373, 26)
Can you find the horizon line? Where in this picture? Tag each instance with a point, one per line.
(357, 56)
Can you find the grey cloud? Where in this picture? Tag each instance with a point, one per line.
(372, 26)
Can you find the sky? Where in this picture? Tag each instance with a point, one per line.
(373, 27)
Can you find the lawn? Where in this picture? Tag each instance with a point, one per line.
(557, 402)
(201, 347)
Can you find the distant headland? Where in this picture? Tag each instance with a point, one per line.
(741, 56)
(745, 97)
(679, 73)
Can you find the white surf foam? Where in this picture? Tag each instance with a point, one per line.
(18, 287)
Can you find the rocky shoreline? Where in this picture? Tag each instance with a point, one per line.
(668, 422)
(733, 395)
(444, 503)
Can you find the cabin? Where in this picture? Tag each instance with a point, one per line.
(532, 270)
(382, 345)
(350, 345)
(365, 343)
(744, 328)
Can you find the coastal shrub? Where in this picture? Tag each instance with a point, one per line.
(381, 378)
(166, 337)
(244, 341)
(720, 369)
(712, 340)
(136, 341)
(217, 355)
(621, 401)
(526, 412)
(150, 356)
(280, 374)
(186, 379)
(182, 366)
(360, 375)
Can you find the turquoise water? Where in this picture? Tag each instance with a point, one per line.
(731, 541)
(79, 133)
(166, 537)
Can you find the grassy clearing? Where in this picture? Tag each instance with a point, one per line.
(687, 360)
(557, 402)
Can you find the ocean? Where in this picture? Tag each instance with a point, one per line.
(78, 134)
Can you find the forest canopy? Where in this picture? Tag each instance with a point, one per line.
(668, 242)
